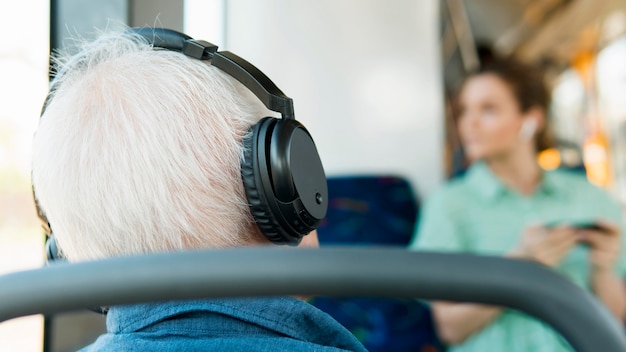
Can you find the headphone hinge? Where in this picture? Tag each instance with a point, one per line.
(199, 49)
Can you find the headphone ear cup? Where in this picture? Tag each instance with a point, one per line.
(255, 193)
(284, 180)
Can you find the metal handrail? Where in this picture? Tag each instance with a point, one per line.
(520, 285)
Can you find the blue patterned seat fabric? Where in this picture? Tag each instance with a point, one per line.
(379, 211)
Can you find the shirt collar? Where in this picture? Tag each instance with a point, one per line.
(284, 315)
(483, 182)
(487, 185)
(550, 185)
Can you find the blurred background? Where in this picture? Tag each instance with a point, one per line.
(372, 80)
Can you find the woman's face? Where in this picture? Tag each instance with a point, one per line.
(490, 119)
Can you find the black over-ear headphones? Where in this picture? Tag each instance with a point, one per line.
(282, 173)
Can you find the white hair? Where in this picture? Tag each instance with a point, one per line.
(139, 151)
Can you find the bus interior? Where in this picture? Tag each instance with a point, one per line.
(376, 85)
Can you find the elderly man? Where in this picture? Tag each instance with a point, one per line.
(151, 141)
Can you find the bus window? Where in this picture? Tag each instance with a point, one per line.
(24, 83)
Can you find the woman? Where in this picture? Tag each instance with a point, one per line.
(506, 205)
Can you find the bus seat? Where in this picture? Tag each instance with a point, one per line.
(376, 211)
(369, 210)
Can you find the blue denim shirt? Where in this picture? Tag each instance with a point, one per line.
(240, 324)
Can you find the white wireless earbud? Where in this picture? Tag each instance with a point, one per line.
(529, 127)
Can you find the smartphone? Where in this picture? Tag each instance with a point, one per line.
(580, 225)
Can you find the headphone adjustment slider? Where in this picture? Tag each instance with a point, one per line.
(199, 49)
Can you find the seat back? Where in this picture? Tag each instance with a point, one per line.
(369, 210)
(376, 211)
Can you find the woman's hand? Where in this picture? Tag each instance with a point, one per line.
(604, 250)
(546, 246)
(605, 245)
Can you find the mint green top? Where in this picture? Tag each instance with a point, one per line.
(478, 214)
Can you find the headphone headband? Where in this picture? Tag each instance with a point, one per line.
(243, 71)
